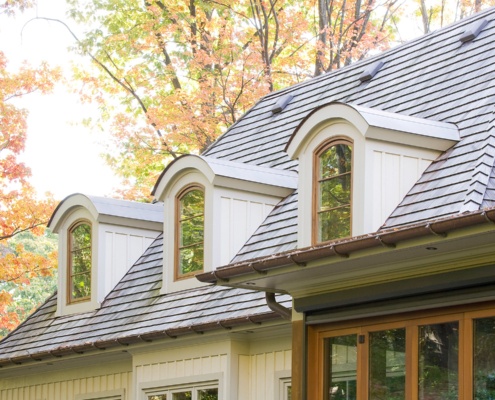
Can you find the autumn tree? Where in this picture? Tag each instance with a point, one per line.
(21, 209)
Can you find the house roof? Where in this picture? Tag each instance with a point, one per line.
(436, 77)
(135, 312)
(105, 209)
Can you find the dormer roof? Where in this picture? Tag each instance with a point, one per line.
(226, 173)
(104, 209)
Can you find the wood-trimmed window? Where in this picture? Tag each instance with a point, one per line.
(437, 355)
(189, 253)
(79, 262)
(332, 190)
(196, 392)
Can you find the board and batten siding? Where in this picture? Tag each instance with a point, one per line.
(67, 384)
(394, 175)
(240, 218)
(260, 374)
(122, 248)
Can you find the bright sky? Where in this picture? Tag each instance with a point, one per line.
(59, 150)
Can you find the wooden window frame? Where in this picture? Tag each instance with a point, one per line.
(70, 299)
(464, 315)
(178, 221)
(316, 185)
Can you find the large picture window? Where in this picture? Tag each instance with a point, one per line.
(190, 232)
(79, 263)
(447, 356)
(332, 191)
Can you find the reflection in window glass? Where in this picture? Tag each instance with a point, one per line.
(80, 262)
(484, 359)
(334, 192)
(340, 377)
(438, 361)
(387, 367)
(208, 394)
(158, 397)
(191, 232)
(182, 396)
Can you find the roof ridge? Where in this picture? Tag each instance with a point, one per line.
(482, 172)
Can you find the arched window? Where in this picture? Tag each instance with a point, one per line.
(79, 265)
(333, 191)
(190, 232)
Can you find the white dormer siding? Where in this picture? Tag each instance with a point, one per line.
(390, 152)
(120, 232)
(238, 197)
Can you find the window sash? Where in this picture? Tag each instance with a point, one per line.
(465, 368)
(79, 262)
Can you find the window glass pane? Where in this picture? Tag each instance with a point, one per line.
(335, 160)
(438, 361)
(208, 394)
(191, 259)
(335, 224)
(182, 396)
(335, 192)
(158, 397)
(192, 204)
(387, 367)
(341, 368)
(80, 262)
(484, 359)
(191, 232)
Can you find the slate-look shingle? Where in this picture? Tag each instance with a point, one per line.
(434, 77)
(135, 307)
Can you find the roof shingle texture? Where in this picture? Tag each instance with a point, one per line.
(435, 77)
(135, 309)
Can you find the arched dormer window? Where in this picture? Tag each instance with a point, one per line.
(79, 263)
(332, 190)
(190, 211)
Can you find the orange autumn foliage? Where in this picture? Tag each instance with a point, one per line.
(20, 209)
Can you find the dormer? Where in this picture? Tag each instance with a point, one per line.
(212, 206)
(99, 239)
(355, 166)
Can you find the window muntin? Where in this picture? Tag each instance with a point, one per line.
(190, 232)
(80, 262)
(433, 356)
(333, 191)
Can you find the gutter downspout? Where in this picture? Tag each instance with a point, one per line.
(278, 308)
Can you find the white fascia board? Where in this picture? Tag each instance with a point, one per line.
(376, 124)
(408, 130)
(128, 209)
(251, 173)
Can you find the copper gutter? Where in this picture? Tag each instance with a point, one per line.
(343, 248)
(124, 341)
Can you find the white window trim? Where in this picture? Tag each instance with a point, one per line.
(185, 383)
(118, 394)
(283, 379)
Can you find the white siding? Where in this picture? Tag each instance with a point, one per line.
(122, 248)
(239, 219)
(63, 385)
(394, 175)
(258, 374)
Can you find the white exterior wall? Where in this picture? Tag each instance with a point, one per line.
(240, 213)
(122, 248)
(69, 384)
(395, 170)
